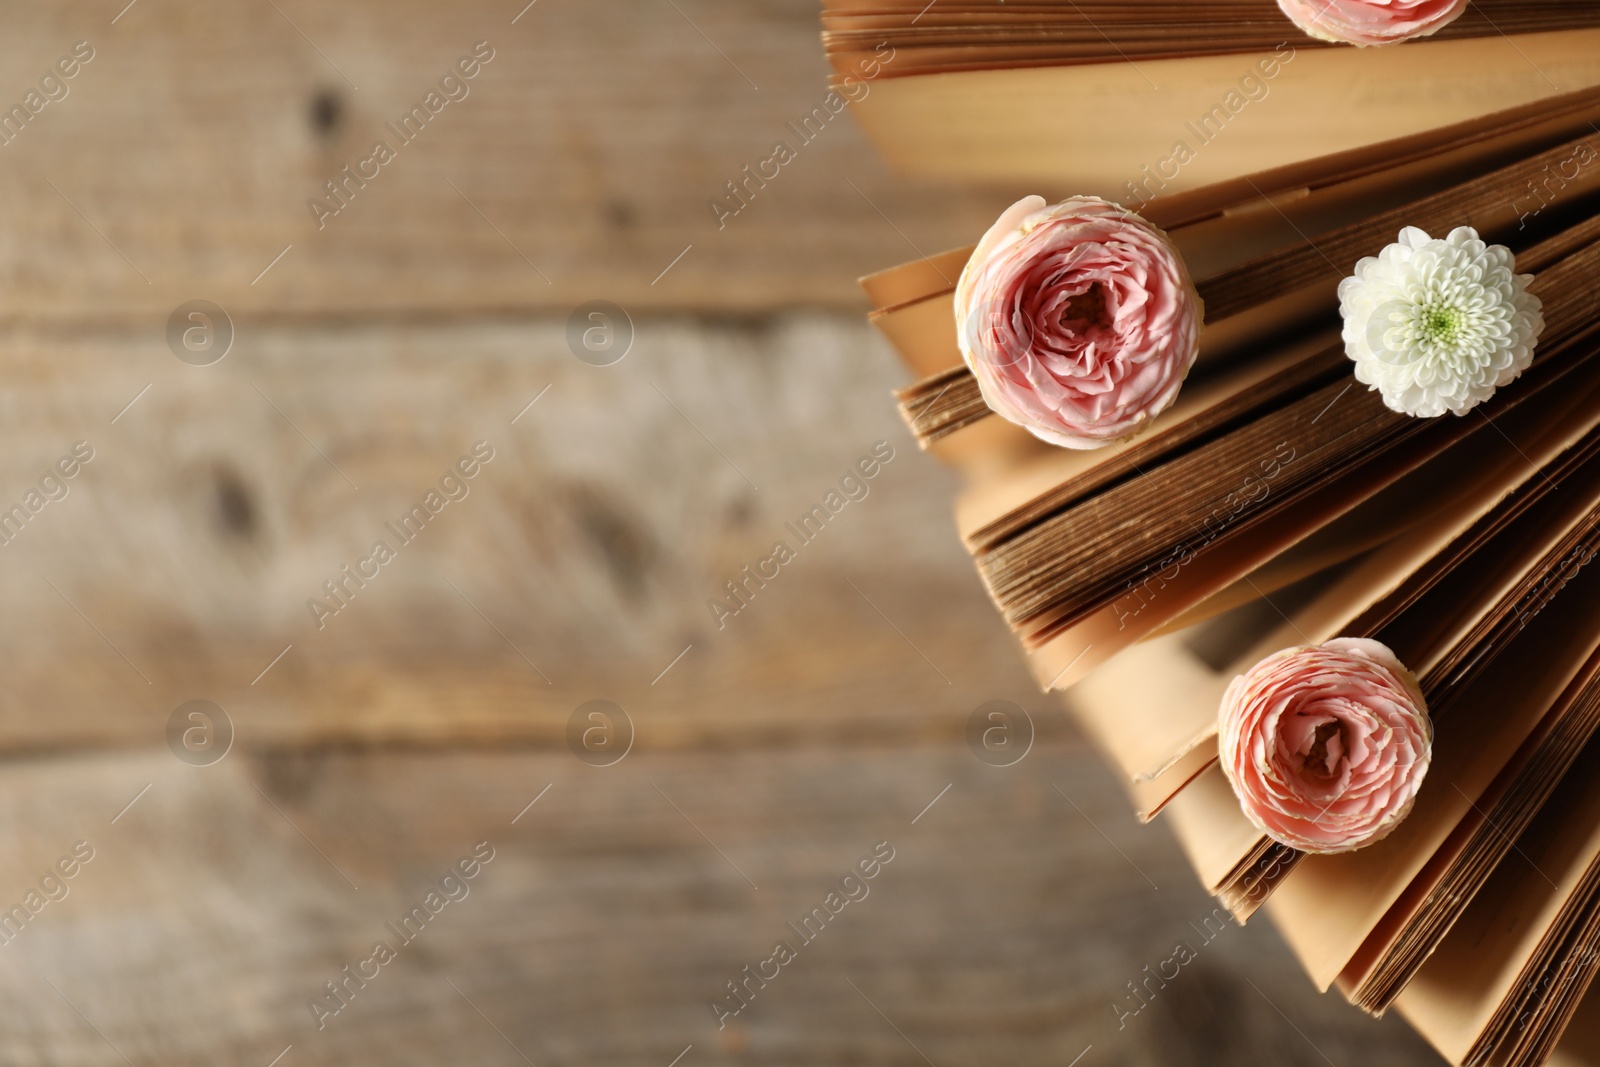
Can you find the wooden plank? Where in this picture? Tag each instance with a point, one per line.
(581, 162)
(1004, 929)
(580, 564)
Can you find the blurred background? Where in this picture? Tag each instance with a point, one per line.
(523, 349)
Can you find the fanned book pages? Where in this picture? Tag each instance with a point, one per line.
(1134, 100)
(1289, 499)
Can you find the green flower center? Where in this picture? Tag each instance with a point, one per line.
(1442, 323)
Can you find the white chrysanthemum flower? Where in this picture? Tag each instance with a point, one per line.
(1439, 325)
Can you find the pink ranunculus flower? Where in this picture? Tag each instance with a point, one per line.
(1370, 22)
(1326, 746)
(1079, 320)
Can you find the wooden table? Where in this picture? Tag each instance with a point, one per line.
(376, 745)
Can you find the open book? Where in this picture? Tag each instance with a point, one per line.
(1277, 503)
(1131, 101)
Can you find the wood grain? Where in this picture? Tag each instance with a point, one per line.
(591, 145)
(181, 561)
(219, 904)
(380, 348)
